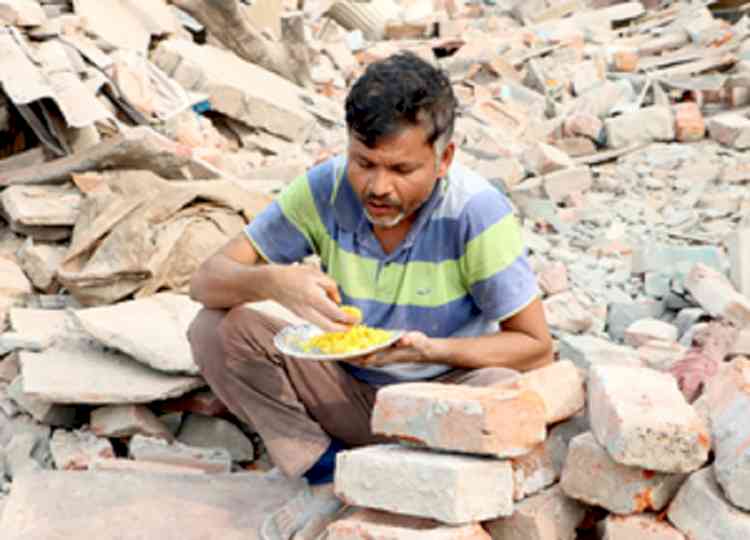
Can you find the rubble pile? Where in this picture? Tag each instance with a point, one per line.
(137, 137)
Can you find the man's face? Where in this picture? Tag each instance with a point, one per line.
(397, 176)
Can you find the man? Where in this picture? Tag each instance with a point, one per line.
(415, 241)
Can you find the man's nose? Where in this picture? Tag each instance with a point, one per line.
(380, 184)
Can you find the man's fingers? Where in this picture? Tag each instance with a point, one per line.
(331, 288)
(323, 322)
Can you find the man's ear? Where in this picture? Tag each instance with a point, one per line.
(446, 159)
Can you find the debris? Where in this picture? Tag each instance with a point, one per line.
(205, 431)
(116, 421)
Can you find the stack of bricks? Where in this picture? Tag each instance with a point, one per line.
(525, 461)
(473, 463)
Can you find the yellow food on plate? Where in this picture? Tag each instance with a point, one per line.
(354, 312)
(357, 338)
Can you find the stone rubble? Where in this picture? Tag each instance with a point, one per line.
(132, 146)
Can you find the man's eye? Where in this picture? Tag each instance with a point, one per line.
(404, 170)
(364, 164)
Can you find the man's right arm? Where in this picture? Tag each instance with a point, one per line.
(237, 274)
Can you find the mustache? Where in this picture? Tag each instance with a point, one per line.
(382, 201)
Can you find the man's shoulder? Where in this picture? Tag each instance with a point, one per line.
(468, 194)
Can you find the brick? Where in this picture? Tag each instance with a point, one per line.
(553, 278)
(590, 475)
(738, 245)
(77, 450)
(560, 386)
(203, 402)
(661, 356)
(583, 125)
(549, 515)
(701, 512)
(450, 488)
(644, 330)
(208, 432)
(126, 421)
(535, 471)
(367, 524)
(131, 465)
(730, 129)
(564, 312)
(645, 125)
(640, 527)
(13, 282)
(716, 294)
(503, 422)
(728, 394)
(559, 184)
(642, 419)
(588, 351)
(541, 159)
(211, 460)
(689, 125)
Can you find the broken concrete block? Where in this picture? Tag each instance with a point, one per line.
(564, 312)
(559, 184)
(716, 294)
(461, 418)
(689, 125)
(561, 388)
(271, 103)
(620, 315)
(738, 245)
(450, 488)
(21, 13)
(730, 129)
(204, 431)
(645, 330)
(40, 206)
(546, 516)
(728, 394)
(40, 262)
(642, 527)
(645, 125)
(20, 458)
(661, 356)
(127, 420)
(541, 159)
(13, 341)
(164, 506)
(153, 330)
(43, 411)
(365, 524)
(642, 419)
(13, 282)
(146, 467)
(655, 257)
(700, 510)
(210, 460)
(592, 476)
(77, 450)
(588, 351)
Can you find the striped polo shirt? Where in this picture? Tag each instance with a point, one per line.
(461, 269)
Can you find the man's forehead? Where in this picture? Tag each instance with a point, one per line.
(400, 145)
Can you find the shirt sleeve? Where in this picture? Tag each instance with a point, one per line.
(495, 266)
(284, 232)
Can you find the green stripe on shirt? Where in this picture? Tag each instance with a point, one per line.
(493, 250)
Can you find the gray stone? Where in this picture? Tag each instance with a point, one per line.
(207, 431)
(560, 436)
(13, 341)
(58, 505)
(26, 452)
(587, 351)
(77, 450)
(646, 125)
(700, 510)
(211, 460)
(40, 262)
(622, 315)
(44, 411)
(152, 330)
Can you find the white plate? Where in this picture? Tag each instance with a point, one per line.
(291, 339)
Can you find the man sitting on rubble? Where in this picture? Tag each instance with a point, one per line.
(416, 241)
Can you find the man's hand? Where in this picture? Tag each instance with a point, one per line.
(413, 347)
(312, 295)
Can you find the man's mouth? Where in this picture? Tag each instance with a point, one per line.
(380, 209)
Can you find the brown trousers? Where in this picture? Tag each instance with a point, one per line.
(296, 406)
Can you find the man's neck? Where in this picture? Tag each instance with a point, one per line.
(391, 237)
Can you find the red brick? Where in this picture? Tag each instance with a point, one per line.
(689, 123)
(374, 525)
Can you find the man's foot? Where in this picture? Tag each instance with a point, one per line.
(309, 511)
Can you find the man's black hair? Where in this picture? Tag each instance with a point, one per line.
(397, 92)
